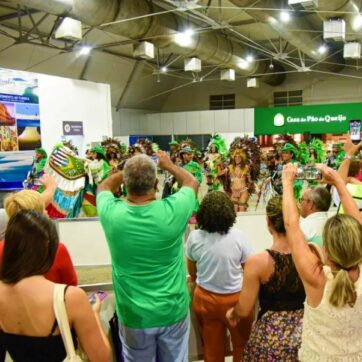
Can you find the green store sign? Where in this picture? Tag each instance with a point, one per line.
(326, 118)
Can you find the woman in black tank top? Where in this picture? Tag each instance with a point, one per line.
(272, 278)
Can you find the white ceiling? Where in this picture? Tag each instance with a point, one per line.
(133, 81)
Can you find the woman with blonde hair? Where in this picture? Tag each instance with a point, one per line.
(331, 276)
(271, 277)
(62, 270)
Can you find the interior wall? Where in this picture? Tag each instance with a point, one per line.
(196, 95)
(63, 99)
(141, 122)
(317, 89)
(128, 121)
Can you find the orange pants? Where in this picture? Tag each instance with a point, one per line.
(210, 309)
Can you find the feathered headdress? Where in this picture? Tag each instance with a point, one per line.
(303, 154)
(111, 145)
(318, 147)
(219, 143)
(249, 147)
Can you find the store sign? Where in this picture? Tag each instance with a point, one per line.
(72, 128)
(326, 118)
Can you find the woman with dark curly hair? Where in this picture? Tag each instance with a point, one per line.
(216, 254)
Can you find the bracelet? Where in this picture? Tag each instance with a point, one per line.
(347, 157)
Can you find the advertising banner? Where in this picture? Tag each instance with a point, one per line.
(19, 126)
(326, 118)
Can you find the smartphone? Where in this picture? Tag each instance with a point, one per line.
(101, 295)
(355, 131)
(308, 173)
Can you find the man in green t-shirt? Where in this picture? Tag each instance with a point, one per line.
(144, 236)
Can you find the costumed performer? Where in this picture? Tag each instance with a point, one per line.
(214, 161)
(317, 154)
(37, 171)
(289, 154)
(243, 171)
(336, 158)
(70, 175)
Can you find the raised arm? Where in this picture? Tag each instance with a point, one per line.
(50, 186)
(182, 176)
(305, 260)
(350, 149)
(111, 183)
(333, 177)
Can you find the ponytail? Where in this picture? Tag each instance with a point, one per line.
(343, 290)
(342, 238)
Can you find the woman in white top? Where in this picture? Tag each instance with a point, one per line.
(332, 323)
(216, 253)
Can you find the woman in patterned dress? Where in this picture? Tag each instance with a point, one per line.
(271, 276)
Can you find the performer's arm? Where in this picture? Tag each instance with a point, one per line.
(50, 186)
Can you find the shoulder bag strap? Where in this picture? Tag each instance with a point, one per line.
(62, 318)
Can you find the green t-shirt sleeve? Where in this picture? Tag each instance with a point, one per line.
(105, 203)
(180, 206)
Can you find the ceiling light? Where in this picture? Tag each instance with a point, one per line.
(85, 50)
(271, 65)
(249, 58)
(164, 69)
(357, 22)
(184, 39)
(69, 29)
(243, 64)
(284, 16)
(228, 75)
(322, 49)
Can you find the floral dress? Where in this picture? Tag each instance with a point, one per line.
(276, 335)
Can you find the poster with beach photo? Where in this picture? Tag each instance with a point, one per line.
(19, 126)
(19, 108)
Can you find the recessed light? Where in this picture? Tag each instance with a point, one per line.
(184, 38)
(322, 49)
(85, 50)
(249, 58)
(285, 16)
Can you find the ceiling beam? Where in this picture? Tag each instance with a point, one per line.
(20, 13)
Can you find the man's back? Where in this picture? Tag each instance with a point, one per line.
(146, 247)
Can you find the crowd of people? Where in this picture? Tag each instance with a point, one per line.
(299, 300)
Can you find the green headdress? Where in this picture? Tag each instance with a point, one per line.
(288, 147)
(98, 149)
(41, 151)
(341, 154)
(303, 155)
(318, 147)
(219, 142)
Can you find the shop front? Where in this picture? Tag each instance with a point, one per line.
(329, 122)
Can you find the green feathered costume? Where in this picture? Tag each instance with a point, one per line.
(298, 184)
